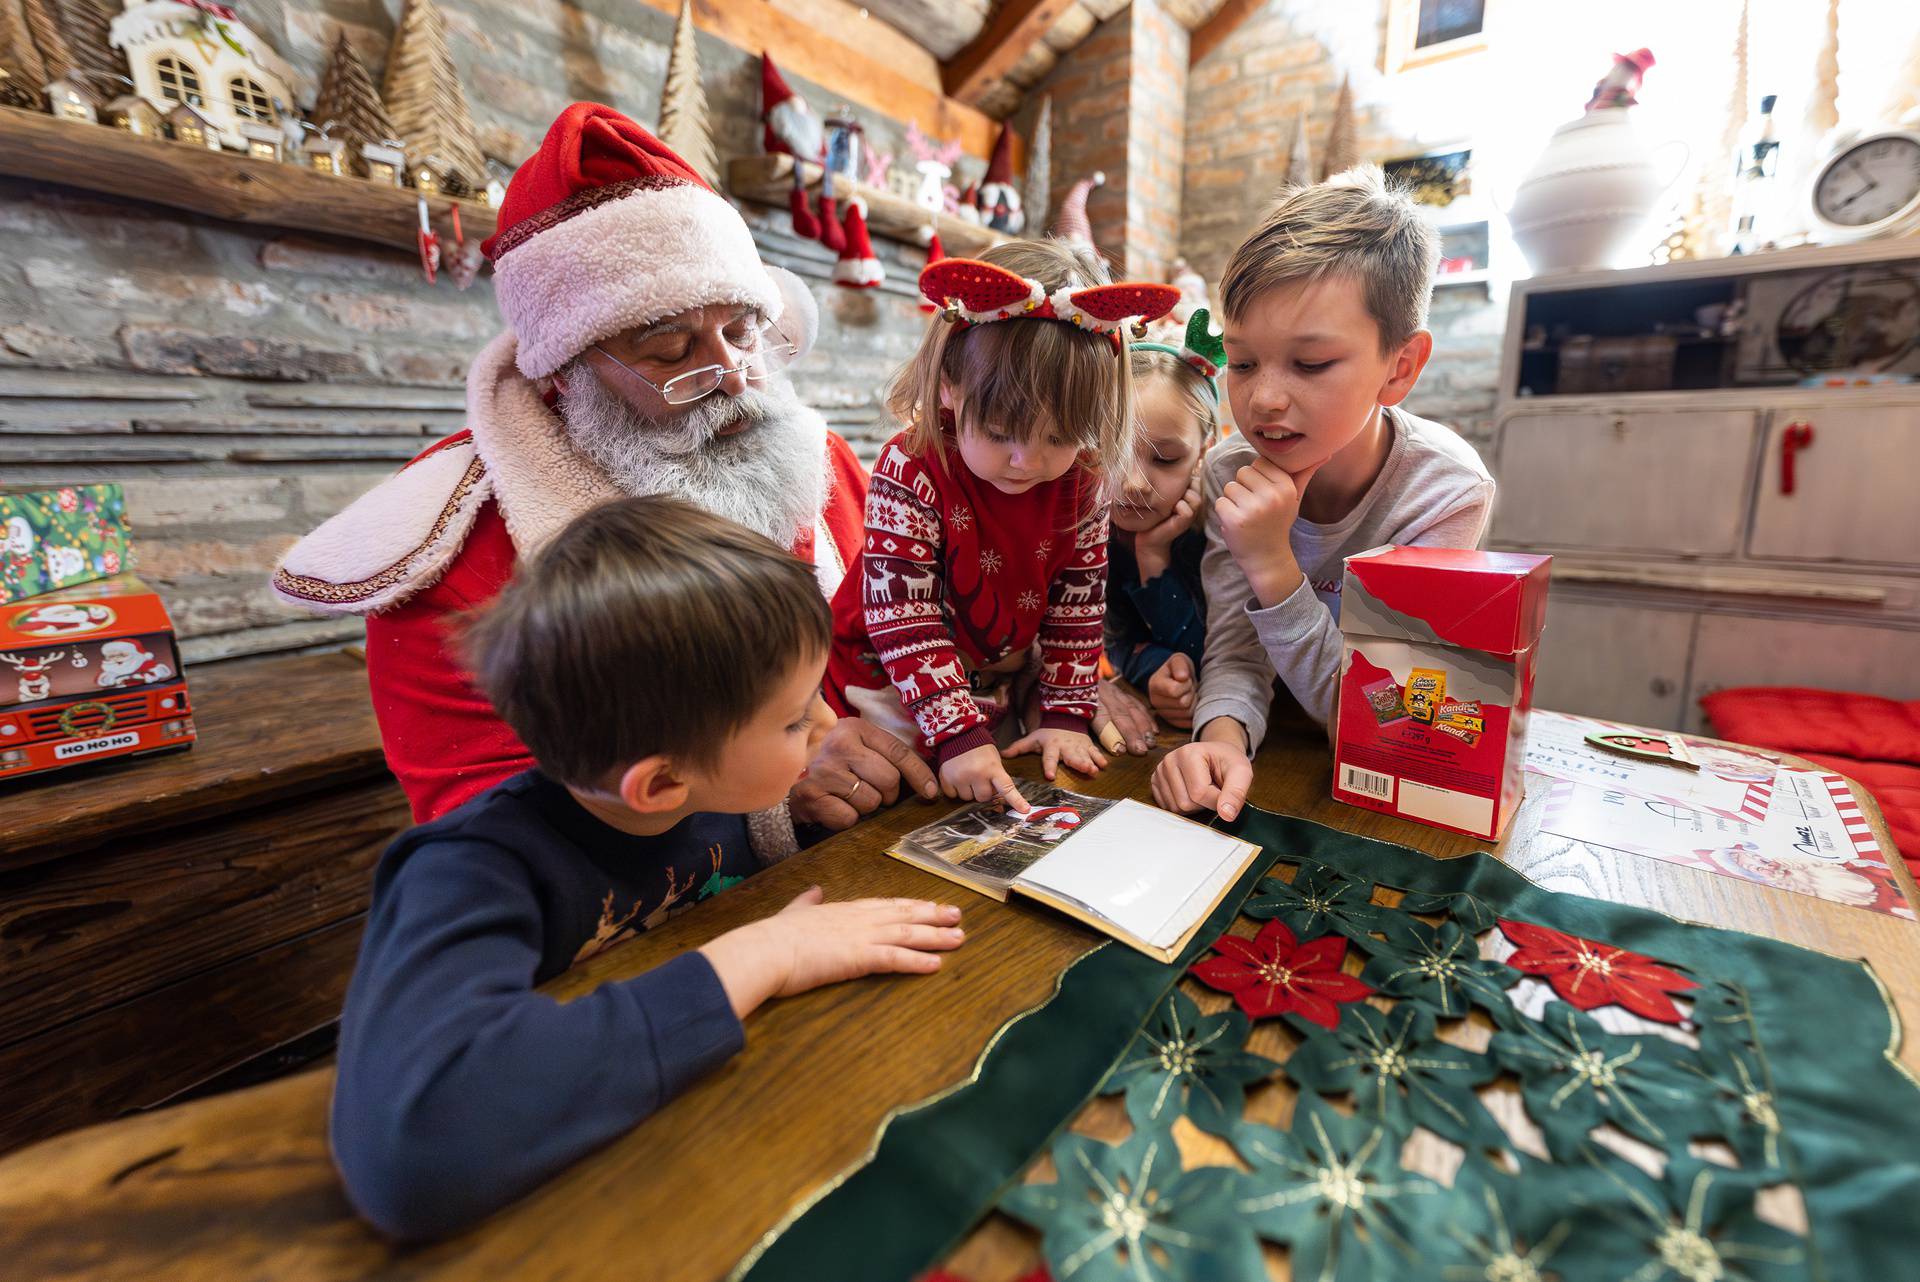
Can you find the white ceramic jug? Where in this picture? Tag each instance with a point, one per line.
(1587, 198)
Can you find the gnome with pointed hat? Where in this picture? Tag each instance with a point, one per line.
(999, 199)
(645, 353)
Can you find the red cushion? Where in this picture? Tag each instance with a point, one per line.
(1896, 788)
(1801, 721)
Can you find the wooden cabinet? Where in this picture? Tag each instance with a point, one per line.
(1686, 559)
(1855, 485)
(1621, 662)
(1736, 650)
(1655, 482)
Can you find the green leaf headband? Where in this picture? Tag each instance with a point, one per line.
(1202, 349)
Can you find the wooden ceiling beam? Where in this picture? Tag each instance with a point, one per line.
(841, 70)
(1208, 35)
(1014, 29)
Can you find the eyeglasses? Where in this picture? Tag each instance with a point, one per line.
(764, 360)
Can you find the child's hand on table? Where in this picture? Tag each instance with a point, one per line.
(1257, 510)
(811, 943)
(1211, 773)
(979, 775)
(1057, 746)
(1170, 690)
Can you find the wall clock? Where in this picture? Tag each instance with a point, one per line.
(1869, 186)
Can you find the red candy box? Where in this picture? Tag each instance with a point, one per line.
(1436, 683)
(88, 672)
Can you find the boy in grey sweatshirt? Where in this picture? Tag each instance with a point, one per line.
(1325, 313)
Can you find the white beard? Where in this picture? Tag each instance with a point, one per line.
(771, 476)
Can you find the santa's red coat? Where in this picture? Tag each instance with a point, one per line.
(443, 740)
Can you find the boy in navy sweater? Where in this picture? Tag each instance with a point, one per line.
(663, 665)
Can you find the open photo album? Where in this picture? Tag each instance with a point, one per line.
(1146, 877)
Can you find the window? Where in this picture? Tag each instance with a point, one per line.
(178, 81)
(1439, 21)
(250, 101)
(1425, 31)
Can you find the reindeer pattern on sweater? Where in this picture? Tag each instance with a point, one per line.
(956, 576)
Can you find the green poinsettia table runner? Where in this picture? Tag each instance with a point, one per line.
(1783, 1054)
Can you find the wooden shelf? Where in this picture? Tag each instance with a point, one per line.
(221, 184)
(768, 179)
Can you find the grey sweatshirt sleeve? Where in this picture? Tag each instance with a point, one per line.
(1236, 677)
(1301, 637)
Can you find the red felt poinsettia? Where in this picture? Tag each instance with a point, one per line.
(1587, 973)
(1273, 974)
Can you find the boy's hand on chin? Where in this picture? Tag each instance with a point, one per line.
(811, 943)
(1257, 510)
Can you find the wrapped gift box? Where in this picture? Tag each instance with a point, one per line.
(1436, 683)
(58, 538)
(87, 673)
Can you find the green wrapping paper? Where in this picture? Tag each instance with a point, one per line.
(1794, 1068)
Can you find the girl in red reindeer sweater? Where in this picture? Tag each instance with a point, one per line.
(986, 521)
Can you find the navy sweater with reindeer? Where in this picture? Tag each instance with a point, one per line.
(459, 1086)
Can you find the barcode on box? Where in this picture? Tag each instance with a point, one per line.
(1366, 783)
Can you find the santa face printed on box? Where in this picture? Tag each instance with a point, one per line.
(129, 663)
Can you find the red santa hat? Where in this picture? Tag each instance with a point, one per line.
(857, 267)
(605, 229)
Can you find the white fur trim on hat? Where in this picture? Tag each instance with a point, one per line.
(625, 263)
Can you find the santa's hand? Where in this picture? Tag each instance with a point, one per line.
(1122, 711)
(856, 768)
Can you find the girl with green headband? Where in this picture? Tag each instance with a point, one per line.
(1156, 626)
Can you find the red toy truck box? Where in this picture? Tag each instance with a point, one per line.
(1436, 683)
(88, 672)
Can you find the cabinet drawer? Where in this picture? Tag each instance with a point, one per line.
(1856, 486)
(1621, 662)
(1737, 650)
(1632, 482)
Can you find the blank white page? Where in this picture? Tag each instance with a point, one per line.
(1140, 868)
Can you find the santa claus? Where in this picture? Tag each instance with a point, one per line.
(644, 354)
(126, 663)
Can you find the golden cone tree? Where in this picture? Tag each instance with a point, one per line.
(1342, 150)
(349, 108)
(86, 25)
(683, 102)
(426, 104)
(33, 48)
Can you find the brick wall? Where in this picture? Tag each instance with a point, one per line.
(1119, 107)
(245, 383)
(1242, 101)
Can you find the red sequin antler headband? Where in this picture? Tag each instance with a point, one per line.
(977, 293)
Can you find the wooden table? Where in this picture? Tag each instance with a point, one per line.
(240, 1186)
(173, 920)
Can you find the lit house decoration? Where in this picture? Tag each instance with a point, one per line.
(68, 97)
(191, 126)
(199, 54)
(136, 115)
(264, 141)
(326, 155)
(385, 163)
